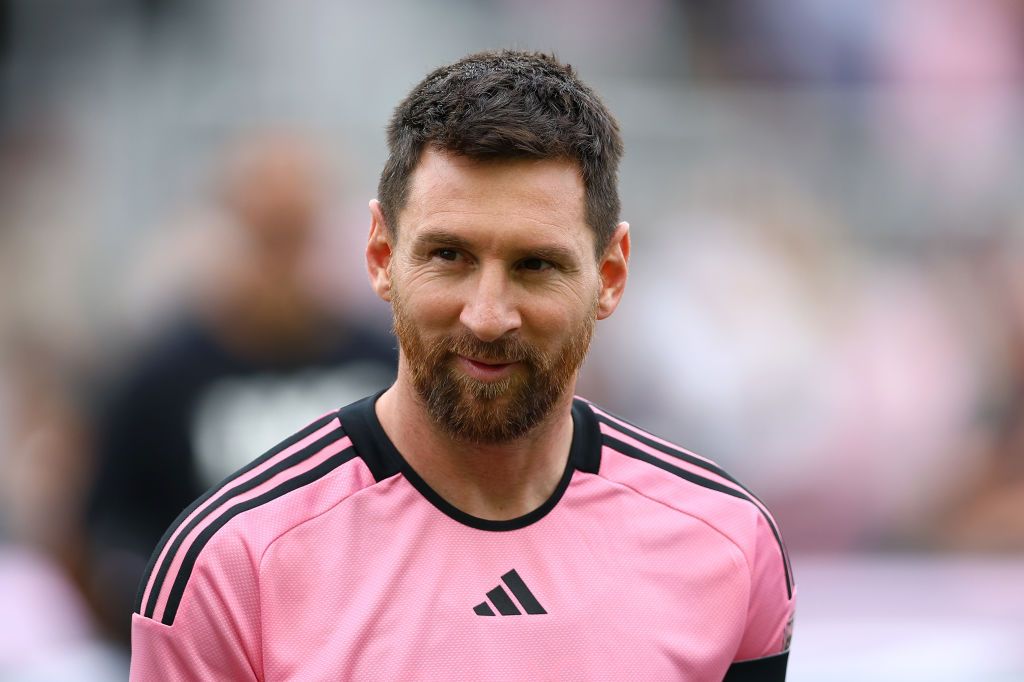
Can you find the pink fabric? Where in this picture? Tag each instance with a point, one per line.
(271, 483)
(256, 471)
(767, 610)
(642, 574)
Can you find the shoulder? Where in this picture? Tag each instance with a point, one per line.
(688, 483)
(222, 535)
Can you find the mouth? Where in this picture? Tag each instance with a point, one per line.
(486, 370)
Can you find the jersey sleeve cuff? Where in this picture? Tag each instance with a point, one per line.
(767, 669)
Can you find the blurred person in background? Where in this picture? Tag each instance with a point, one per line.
(254, 349)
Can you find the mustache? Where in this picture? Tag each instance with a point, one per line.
(511, 349)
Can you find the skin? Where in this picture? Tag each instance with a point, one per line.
(496, 248)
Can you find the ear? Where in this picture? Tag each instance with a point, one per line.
(614, 268)
(378, 252)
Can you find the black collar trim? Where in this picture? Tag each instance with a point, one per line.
(384, 460)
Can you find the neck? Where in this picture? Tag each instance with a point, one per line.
(496, 482)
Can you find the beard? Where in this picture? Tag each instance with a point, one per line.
(488, 412)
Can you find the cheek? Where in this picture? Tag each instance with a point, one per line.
(430, 305)
(554, 320)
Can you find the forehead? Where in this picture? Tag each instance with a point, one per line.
(500, 197)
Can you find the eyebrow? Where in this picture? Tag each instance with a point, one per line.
(442, 237)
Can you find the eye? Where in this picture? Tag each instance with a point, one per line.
(446, 254)
(536, 264)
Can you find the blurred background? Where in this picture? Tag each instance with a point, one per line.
(826, 294)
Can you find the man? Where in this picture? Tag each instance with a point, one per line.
(476, 521)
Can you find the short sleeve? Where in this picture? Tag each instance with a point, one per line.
(769, 625)
(211, 630)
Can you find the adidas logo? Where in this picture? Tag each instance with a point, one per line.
(506, 607)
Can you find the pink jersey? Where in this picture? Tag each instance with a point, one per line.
(329, 558)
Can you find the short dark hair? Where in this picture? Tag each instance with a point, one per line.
(501, 105)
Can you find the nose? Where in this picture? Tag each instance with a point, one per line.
(491, 311)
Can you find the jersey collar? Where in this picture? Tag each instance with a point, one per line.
(359, 420)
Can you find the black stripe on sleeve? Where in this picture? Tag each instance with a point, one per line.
(274, 451)
(636, 453)
(767, 669)
(185, 572)
(290, 461)
(635, 432)
(638, 434)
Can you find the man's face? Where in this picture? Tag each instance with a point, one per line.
(495, 290)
